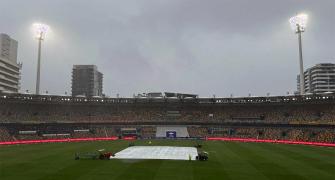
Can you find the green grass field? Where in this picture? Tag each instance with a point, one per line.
(227, 160)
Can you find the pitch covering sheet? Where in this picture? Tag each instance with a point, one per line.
(157, 152)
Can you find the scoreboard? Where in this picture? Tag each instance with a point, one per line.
(171, 134)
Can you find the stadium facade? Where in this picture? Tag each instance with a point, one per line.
(9, 68)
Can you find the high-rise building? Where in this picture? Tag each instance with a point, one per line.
(319, 78)
(86, 81)
(9, 68)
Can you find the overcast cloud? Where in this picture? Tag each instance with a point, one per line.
(192, 46)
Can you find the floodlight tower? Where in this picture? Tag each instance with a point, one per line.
(40, 31)
(298, 24)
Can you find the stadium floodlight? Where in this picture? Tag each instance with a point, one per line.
(298, 24)
(40, 32)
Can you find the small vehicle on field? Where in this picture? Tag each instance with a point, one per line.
(100, 154)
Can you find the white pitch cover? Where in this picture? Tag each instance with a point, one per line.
(157, 152)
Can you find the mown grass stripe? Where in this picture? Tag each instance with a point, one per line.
(227, 160)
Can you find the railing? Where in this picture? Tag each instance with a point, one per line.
(326, 97)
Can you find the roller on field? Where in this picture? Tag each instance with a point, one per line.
(202, 156)
(99, 154)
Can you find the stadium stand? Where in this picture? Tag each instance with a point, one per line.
(299, 118)
(148, 132)
(4, 135)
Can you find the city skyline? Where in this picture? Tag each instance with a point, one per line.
(205, 48)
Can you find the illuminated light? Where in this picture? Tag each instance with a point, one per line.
(270, 141)
(129, 138)
(299, 22)
(58, 140)
(133, 138)
(40, 30)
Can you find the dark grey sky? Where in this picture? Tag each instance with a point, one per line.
(192, 46)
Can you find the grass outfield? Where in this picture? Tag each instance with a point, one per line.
(227, 160)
